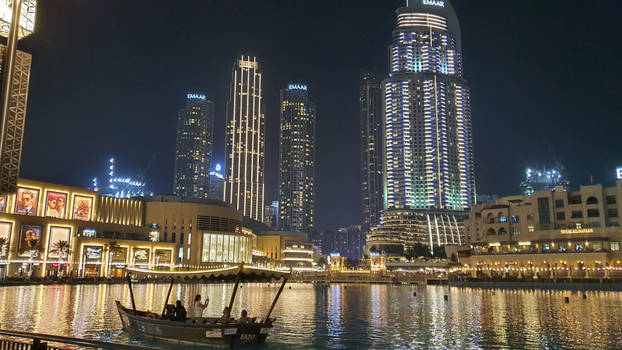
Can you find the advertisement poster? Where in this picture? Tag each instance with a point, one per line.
(82, 207)
(55, 203)
(92, 254)
(5, 237)
(58, 241)
(26, 201)
(3, 204)
(163, 256)
(30, 240)
(141, 256)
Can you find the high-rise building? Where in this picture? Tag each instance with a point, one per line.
(542, 180)
(297, 160)
(195, 130)
(15, 78)
(372, 189)
(427, 128)
(216, 182)
(271, 215)
(244, 178)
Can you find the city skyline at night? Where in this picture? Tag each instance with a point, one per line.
(504, 116)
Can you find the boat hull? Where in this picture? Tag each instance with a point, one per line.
(197, 333)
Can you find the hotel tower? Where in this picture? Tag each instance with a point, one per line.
(297, 160)
(244, 183)
(427, 132)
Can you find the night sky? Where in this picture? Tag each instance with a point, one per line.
(108, 78)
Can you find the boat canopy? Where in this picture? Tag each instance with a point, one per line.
(246, 273)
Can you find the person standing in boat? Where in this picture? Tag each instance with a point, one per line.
(197, 308)
(180, 311)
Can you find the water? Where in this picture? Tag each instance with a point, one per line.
(342, 316)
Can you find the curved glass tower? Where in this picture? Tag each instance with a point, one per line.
(429, 161)
(428, 155)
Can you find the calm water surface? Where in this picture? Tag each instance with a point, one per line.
(342, 316)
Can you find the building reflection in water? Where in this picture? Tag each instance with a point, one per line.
(359, 316)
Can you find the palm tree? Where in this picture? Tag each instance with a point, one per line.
(61, 248)
(112, 248)
(4, 244)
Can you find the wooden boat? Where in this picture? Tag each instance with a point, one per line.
(203, 330)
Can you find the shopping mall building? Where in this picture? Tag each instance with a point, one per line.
(549, 234)
(49, 230)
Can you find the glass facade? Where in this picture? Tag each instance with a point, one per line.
(226, 248)
(427, 119)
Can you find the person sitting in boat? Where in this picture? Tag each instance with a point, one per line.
(243, 317)
(197, 309)
(226, 315)
(180, 311)
(169, 312)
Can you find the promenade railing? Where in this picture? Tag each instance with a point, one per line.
(36, 341)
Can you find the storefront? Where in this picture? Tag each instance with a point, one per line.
(163, 258)
(91, 261)
(141, 258)
(118, 261)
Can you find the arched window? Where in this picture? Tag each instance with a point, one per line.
(591, 200)
(490, 218)
(503, 218)
(502, 231)
(490, 232)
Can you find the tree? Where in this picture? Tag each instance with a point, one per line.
(322, 261)
(4, 245)
(61, 248)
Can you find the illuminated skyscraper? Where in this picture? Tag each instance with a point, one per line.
(244, 177)
(297, 160)
(427, 126)
(372, 189)
(216, 182)
(195, 130)
(15, 78)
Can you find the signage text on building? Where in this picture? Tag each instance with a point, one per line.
(577, 230)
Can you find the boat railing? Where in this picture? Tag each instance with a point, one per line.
(36, 341)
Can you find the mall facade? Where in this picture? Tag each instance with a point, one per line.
(548, 234)
(51, 230)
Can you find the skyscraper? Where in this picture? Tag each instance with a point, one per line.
(427, 127)
(15, 78)
(372, 189)
(195, 130)
(297, 160)
(216, 182)
(244, 183)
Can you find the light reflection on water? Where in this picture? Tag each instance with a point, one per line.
(342, 316)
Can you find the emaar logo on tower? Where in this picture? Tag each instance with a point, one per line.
(197, 96)
(439, 3)
(297, 87)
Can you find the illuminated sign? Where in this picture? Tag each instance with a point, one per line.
(524, 243)
(496, 244)
(577, 230)
(196, 96)
(438, 3)
(297, 87)
(619, 173)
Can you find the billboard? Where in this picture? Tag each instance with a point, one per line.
(30, 240)
(3, 204)
(26, 201)
(55, 203)
(58, 241)
(92, 254)
(5, 235)
(141, 256)
(82, 208)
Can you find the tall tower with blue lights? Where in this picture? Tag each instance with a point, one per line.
(427, 129)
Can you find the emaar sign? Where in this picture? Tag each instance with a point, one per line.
(619, 173)
(197, 96)
(438, 3)
(297, 87)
